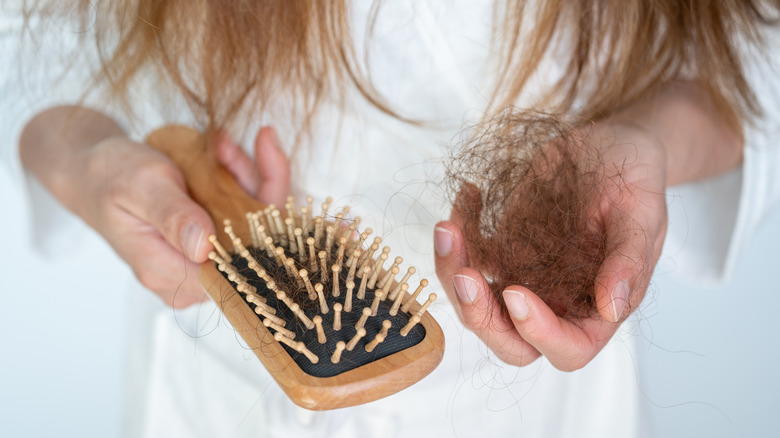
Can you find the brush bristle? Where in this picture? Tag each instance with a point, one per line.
(325, 297)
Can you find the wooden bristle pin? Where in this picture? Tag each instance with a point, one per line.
(293, 272)
(337, 317)
(301, 348)
(317, 320)
(297, 346)
(379, 296)
(363, 282)
(290, 207)
(414, 320)
(340, 346)
(323, 303)
(337, 226)
(263, 310)
(296, 309)
(340, 253)
(348, 299)
(279, 329)
(354, 341)
(389, 283)
(259, 301)
(326, 206)
(353, 265)
(323, 266)
(213, 256)
(299, 241)
(336, 291)
(404, 279)
(351, 232)
(398, 298)
(270, 220)
(363, 318)
(353, 258)
(312, 256)
(368, 255)
(389, 274)
(246, 288)
(408, 304)
(252, 229)
(318, 224)
(290, 224)
(380, 337)
(376, 268)
(305, 220)
(386, 324)
(283, 260)
(219, 248)
(269, 247)
(431, 298)
(329, 238)
(309, 288)
(228, 227)
(280, 234)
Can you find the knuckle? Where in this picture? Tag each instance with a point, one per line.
(511, 356)
(572, 364)
(157, 170)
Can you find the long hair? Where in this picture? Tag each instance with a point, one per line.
(224, 54)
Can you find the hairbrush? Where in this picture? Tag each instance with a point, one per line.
(314, 301)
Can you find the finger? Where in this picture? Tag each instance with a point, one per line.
(482, 314)
(238, 163)
(159, 198)
(161, 268)
(273, 167)
(450, 256)
(566, 344)
(634, 245)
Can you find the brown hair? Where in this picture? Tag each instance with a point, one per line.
(527, 186)
(647, 43)
(222, 55)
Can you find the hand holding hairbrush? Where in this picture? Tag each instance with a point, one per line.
(319, 305)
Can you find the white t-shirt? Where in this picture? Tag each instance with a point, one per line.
(190, 375)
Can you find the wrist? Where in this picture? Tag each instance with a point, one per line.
(56, 145)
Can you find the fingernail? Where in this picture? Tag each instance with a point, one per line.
(191, 238)
(619, 299)
(516, 303)
(465, 287)
(442, 241)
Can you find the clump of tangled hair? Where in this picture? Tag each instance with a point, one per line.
(527, 186)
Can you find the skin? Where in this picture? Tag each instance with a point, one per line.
(672, 137)
(136, 198)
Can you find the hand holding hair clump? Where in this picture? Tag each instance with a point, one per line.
(554, 233)
(528, 190)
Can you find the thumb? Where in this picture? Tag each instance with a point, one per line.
(273, 166)
(626, 271)
(166, 206)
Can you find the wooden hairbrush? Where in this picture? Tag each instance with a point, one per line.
(307, 294)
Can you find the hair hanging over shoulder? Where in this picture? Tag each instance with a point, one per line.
(221, 54)
(620, 51)
(224, 54)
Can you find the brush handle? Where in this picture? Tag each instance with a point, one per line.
(213, 187)
(209, 183)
